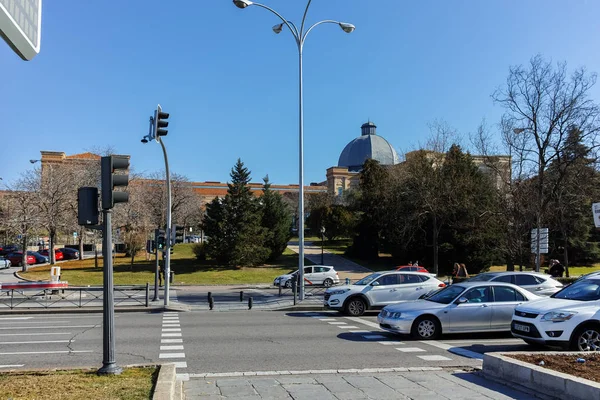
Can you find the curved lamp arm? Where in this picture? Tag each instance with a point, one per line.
(327, 21)
(291, 27)
(304, 19)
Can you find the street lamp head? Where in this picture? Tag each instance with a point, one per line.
(242, 3)
(348, 28)
(33, 161)
(278, 28)
(144, 140)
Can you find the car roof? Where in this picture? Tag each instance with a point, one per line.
(484, 283)
(514, 272)
(405, 272)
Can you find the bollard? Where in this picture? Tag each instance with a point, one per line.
(211, 303)
(347, 281)
(147, 294)
(209, 295)
(172, 277)
(250, 303)
(294, 289)
(241, 295)
(279, 288)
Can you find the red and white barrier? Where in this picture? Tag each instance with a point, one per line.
(33, 285)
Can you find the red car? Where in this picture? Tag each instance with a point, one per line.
(16, 258)
(58, 255)
(412, 268)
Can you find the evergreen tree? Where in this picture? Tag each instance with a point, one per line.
(276, 219)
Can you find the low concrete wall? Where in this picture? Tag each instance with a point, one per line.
(165, 384)
(538, 380)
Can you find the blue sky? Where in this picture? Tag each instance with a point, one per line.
(230, 84)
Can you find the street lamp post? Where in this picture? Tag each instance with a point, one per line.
(300, 37)
(322, 243)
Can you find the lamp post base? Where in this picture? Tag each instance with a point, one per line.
(110, 369)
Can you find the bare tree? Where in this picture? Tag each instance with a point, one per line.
(542, 104)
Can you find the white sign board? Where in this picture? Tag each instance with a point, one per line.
(544, 240)
(596, 213)
(21, 26)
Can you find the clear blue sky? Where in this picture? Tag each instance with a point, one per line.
(230, 84)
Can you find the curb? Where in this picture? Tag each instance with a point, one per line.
(542, 382)
(165, 383)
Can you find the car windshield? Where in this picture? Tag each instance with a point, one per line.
(367, 279)
(584, 290)
(482, 278)
(292, 272)
(446, 295)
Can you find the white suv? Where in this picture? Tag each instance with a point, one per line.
(380, 289)
(570, 318)
(324, 275)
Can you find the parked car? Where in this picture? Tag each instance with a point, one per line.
(58, 255)
(378, 290)
(4, 250)
(413, 268)
(535, 282)
(569, 318)
(69, 253)
(39, 259)
(458, 308)
(324, 275)
(16, 258)
(5, 263)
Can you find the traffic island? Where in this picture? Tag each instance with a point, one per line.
(537, 380)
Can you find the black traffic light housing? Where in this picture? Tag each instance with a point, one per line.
(110, 180)
(87, 206)
(177, 233)
(160, 240)
(160, 122)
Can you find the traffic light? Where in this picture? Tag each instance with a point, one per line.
(160, 122)
(110, 180)
(87, 206)
(160, 242)
(177, 233)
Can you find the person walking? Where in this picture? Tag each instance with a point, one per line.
(556, 269)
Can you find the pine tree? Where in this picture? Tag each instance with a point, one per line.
(276, 219)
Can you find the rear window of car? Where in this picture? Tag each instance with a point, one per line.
(525, 280)
(482, 278)
(504, 278)
(423, 278)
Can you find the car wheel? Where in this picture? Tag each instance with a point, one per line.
(586, 338)
(287, 284)
(426, 328)
(328, 282)
(356, 307)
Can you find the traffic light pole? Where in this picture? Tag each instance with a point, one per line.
(167, 266)
(109, 365)
(156, 267)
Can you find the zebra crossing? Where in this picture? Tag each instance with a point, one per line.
(171, 343)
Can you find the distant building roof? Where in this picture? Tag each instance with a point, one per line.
(368, 145)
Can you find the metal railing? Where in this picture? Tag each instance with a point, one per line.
(78, 297)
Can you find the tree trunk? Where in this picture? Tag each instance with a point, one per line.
(80, 243)
(51, 255)
(24, 260)
(510, 265)
(435, 246)
(566, 256)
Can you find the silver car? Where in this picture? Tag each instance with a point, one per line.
(4, 263)
(535, 282)
(462, 307)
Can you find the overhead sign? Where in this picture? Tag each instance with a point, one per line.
(21, 26)
(544, 240)
(596, 213)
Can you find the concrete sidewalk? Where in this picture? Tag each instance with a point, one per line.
(385, 383)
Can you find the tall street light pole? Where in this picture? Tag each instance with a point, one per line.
(300, 37)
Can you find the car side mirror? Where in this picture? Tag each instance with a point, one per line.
(375, 283)
(461, 300)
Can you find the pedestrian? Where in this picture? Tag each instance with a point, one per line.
(410, 264)
(462, 271)
(556, 269)
(455, 270)
(416, 264)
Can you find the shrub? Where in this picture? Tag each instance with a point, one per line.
(199, 251)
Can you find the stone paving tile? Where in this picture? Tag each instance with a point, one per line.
(309, 392)
(296, 379)
(272, 392)
(373, 387)
(221, 382)
(238, 390)
(263, 382)
(485, 387)
(199, 387)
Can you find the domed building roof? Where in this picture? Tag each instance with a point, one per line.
(368, 145)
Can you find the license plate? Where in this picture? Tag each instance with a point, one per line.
(522, 328)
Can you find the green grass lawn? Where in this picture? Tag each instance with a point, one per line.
(187, 269)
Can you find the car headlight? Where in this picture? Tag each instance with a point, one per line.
(558, 316)
(390, 314)
(339, 291)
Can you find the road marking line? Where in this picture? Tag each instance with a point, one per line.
(52, 327)
(484, 341)
(14, 318)
(39, 341)
(456, 350)
(392, 343)
(171, 330)
(364, 322)
(409, 349)
(37, 322)
(360, 332)
(12, 366)
(337, 323)
(373, 337)
(171, 347)
(182, 377)
(171, 340)
(47, 352)
(171, 335)
(348, 327)
(434, 358)
(36, 334)
(171, 355)
(326, 319)
(179, 364)
(171, 325)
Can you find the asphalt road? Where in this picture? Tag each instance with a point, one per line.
(235, 341)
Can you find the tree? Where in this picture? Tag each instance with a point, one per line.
(234, 224)
(542, 104)
(276, 219)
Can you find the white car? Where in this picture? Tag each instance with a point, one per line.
(462, 307)
(4, 263)
(324, 275)
(535, 282)
(380, 289)
(569, 318)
